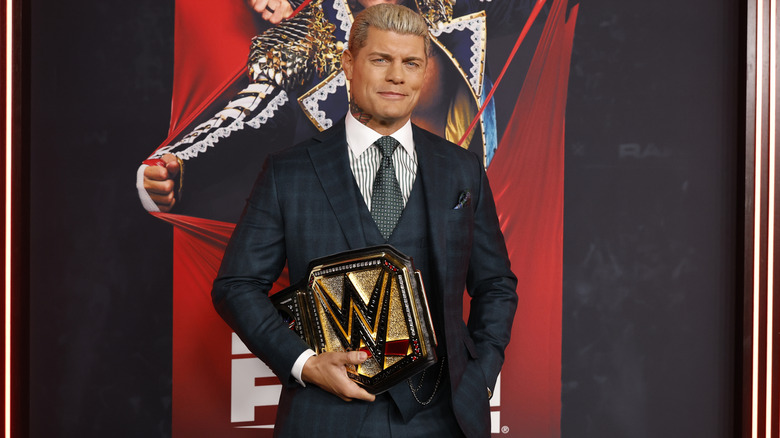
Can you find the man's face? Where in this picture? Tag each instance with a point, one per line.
(386, 76)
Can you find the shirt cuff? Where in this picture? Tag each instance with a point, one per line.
(297, 368)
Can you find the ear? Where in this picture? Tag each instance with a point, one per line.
(347, 61)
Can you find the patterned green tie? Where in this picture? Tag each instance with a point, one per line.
(387, 203)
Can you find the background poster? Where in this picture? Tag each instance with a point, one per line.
(647, 319)
(219, 388)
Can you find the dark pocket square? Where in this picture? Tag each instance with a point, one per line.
(464, 200)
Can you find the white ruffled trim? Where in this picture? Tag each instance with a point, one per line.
(343, 16)
(143, 196)
(269, 111)
(312, 102)
(477, 27)
(236, 125)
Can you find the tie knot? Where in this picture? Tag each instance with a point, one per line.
(386, 145)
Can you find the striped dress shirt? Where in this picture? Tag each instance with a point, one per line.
(365, 157)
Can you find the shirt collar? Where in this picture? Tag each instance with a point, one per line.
(360, 137)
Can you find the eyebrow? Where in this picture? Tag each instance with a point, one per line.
(389, 56)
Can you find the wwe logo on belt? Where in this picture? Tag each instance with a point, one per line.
(370, 300)
(363, 323)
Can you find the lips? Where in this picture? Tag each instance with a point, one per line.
(392, 95)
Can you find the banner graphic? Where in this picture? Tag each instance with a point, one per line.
(219, 387)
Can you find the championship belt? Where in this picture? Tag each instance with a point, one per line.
(370, 300)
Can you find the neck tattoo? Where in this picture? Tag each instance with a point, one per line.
(359, 114)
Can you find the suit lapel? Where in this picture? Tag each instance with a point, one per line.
(330, 159)
(432, 166)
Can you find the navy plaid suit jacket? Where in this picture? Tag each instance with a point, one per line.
(303, 206)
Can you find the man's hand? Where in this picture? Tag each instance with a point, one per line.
(328, 371)
(159, 182)
(272, 11)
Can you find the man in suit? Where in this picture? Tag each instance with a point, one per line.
(374, 178)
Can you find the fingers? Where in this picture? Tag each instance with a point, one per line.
(329, 372)
(258, 5)
(164, 202)
(353, 391)
(156, 187)
(273, 11)
(160, 191)
(171, 164)
(159, 183)
(167, 167)
(355, 357)
(358, 393)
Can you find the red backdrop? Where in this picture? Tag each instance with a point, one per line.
(221, 390)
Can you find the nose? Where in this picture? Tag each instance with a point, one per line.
(395, 73)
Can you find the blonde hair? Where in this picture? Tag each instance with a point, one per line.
(387, 16)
